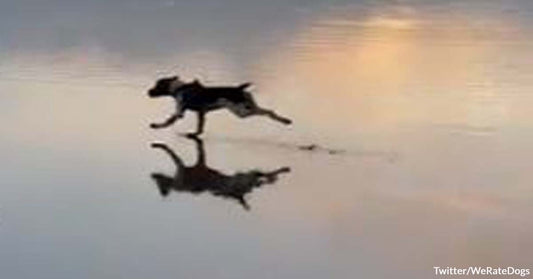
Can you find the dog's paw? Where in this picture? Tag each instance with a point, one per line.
(157, 145)
(287, 121)
(192, 135)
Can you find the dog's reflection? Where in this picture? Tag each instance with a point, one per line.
(201, 178)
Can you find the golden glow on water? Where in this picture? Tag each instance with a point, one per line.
(384, 71)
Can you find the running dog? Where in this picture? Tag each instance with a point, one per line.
(202, 99)
(201, 178)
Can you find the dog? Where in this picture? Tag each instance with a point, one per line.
(202, 99)
(201, 178)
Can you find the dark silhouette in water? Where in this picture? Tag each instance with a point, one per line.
(200, 178)
(201, 99)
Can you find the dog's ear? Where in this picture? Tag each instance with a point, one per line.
(244, 86)
(175, 83)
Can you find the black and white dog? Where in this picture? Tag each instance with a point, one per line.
(201, 99)
(200, 178)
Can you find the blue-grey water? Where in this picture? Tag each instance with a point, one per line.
(427, 105)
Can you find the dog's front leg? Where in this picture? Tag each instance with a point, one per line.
(180, 109)
(167, 122)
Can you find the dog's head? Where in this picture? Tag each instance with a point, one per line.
(164, 183)
(165, 87)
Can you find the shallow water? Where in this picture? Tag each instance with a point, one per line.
(425, 105)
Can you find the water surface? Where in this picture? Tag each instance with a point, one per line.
(426, 102)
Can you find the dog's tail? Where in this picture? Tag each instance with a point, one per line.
(244, 86)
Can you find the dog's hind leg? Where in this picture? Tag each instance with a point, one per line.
(200, 124)
(272, 115)
(243, 202)
(250, 109)
(272, 176)
(200, 150)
